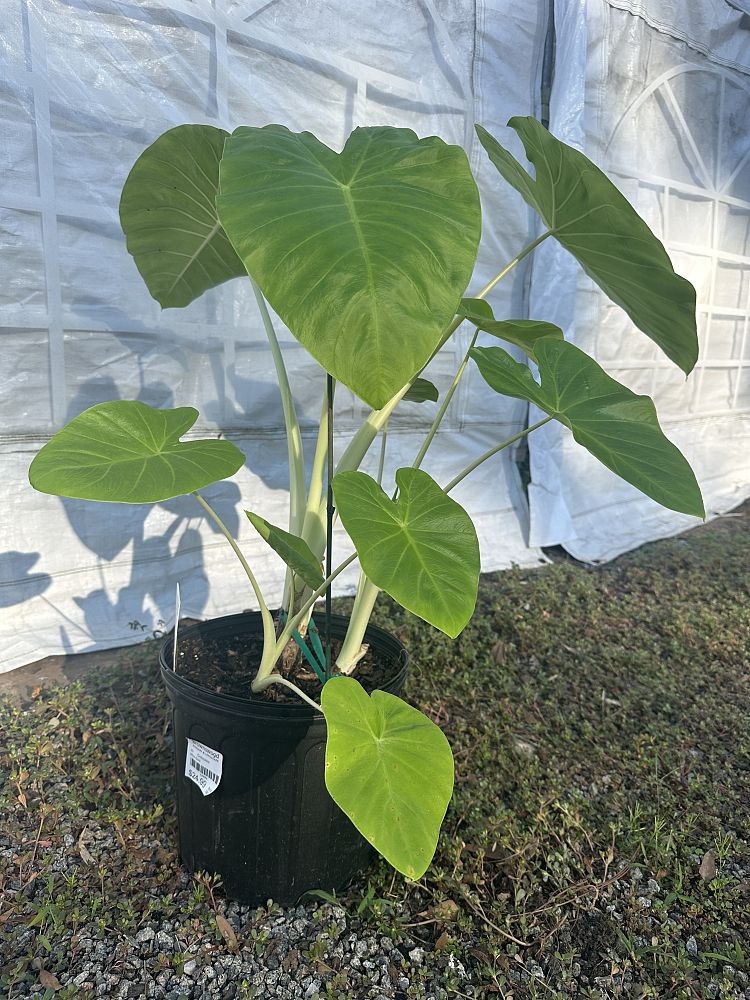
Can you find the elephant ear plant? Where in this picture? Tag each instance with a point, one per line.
(366, 255)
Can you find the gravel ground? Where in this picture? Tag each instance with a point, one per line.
(285, 953)
(311, 951)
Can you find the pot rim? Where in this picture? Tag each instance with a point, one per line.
(261, 707)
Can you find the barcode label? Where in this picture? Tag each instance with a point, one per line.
(204, 770)
(203, 766)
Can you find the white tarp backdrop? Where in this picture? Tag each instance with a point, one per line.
(657, 92)
(85, 85)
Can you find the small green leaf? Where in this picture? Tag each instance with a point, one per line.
(390, 769)
(421, 391)
(363, 254)
(294, 550)
(524, 333)
(168, 214)
(127, 452)
(590, 218)
(422, 548)
(618, 427)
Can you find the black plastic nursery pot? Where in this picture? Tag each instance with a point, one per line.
(269, 828)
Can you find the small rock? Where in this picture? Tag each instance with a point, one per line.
(189, 967)
(707, 868)
(456, 966)
(416, 956)
(145, 935)
(524, 748)
(360, 949)
(691, 947)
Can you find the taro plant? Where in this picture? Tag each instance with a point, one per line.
(366, 256)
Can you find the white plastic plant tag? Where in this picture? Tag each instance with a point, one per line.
(176, 623)
(203, 766)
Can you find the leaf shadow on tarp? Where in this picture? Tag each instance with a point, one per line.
(119, 530)
(15, 566)
(172, 367)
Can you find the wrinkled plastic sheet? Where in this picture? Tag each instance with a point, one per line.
(657, 93)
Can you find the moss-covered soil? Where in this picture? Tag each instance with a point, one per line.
(596, 845)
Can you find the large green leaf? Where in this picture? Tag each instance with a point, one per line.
(422, 391)
(589, 216)
(294, 550)
(127, 452)
(618, 427)
(168, 214)
(390, 769)
(363, 254)
(422, 548)
(524, 333)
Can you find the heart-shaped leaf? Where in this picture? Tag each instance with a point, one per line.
(168, 214)
(618, 427)
(524, 333)
(294, 550)
(390, 769)
(588, 215)
(422, 548)
(364, 254)
(127, 452)
(421, 391)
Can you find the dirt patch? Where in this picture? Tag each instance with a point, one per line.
(229, 664)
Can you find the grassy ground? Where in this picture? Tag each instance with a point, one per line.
(597, 842)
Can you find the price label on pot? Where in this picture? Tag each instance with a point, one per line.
(203, 766)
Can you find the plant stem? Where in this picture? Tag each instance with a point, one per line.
(458, 320)
(509, 267)
(492, 451)
(452, 328)
(293, 435)
(262, 684)
(314, 522)
(285, 635)
(359, 445)
(444, 405)
(269, 634)
(313, 526)
(381, 460)
(330, 384)
(351, 651)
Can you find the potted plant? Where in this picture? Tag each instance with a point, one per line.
(285, 778)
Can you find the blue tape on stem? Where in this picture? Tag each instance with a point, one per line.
(307, 653)
(318, 645)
